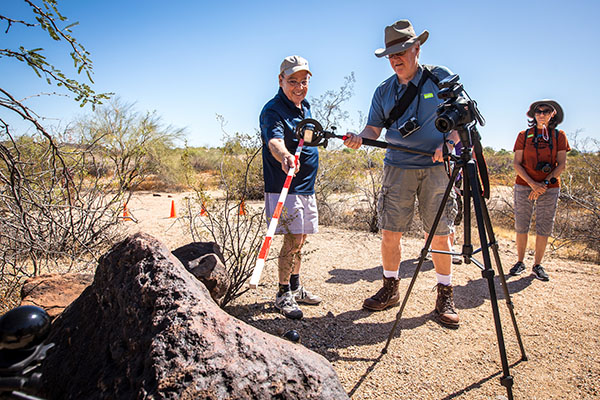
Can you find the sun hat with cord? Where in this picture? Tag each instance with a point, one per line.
(293, 64)
(558, 118)
(400, 36)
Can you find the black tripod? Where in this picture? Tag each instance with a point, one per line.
(472, 192)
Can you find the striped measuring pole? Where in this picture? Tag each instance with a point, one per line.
(264, 250)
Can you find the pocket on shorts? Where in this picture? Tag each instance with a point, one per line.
(381, 204)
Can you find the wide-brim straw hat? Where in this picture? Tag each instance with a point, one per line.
(400, 36)
(550, 103)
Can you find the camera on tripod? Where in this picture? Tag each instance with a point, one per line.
(543, 166)
(458, 109)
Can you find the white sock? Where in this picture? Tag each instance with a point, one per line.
(445, 280)
(390, 274)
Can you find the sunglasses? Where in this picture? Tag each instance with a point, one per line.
(544, 111)
(402, 53)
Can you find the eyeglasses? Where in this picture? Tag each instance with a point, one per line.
(544, 111)
(402, 53)
(296, 83)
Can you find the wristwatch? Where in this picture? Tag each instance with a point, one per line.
(451, 142)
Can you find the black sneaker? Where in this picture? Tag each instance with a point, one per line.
(517, 269)
(539, 273)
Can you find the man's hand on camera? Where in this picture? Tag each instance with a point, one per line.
(289, 161)
(353, 140)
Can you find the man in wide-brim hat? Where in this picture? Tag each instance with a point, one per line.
(406, 175)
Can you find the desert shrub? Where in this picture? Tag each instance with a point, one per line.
(204, 159)
(61, 194)
(372, 177)
(500, 166)
(578, 212)
(241, 167)
(577, 222)
(229, 222)
(337, 175)
(238, 234)
(131, 145)
(55, 215)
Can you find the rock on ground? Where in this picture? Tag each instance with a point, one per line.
(54, 292)
(148, 329)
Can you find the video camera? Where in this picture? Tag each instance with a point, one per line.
(458, 110)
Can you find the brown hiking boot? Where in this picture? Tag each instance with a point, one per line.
(444, 307)
(387, 296)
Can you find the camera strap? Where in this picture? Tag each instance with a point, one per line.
(535, 141)
(408, 97)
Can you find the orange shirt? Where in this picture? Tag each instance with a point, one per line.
(543, 153)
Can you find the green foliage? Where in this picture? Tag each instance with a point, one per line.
(500, 166)
(48, 21)
(241, 166)
(204, 160)
(54, 209)
(129, 144)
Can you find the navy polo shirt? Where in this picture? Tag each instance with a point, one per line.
(278, 119)
(423, 107)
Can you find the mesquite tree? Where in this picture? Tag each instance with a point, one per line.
(54, 211)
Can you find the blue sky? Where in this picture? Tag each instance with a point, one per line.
(191, 60)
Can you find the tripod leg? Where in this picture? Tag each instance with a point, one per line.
(488, 273)
(424, 251)
(509, 303)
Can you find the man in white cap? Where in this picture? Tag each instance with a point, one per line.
(410, 95)
(278, 121)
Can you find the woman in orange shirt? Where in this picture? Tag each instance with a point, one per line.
(540, 158)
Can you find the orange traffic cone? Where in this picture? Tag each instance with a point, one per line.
(203, 211)
(173, 215)
(242, 208)
(126, 216)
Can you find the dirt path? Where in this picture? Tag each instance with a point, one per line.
(559, 320)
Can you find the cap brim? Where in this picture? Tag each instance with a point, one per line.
(397, 48)
(293, 70)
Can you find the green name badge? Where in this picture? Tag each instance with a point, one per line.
(428, 95)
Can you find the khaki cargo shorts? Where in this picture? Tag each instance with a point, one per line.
(401, 187)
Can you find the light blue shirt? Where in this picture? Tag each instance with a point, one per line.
(423, 107)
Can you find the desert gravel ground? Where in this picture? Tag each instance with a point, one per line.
(559, 320)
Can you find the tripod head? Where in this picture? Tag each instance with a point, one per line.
(459, 112)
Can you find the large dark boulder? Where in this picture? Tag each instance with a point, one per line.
(205, 261)
(147, 329)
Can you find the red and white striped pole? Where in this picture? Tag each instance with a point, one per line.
(264, 250)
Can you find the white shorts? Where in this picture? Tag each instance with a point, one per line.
(298, 216)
